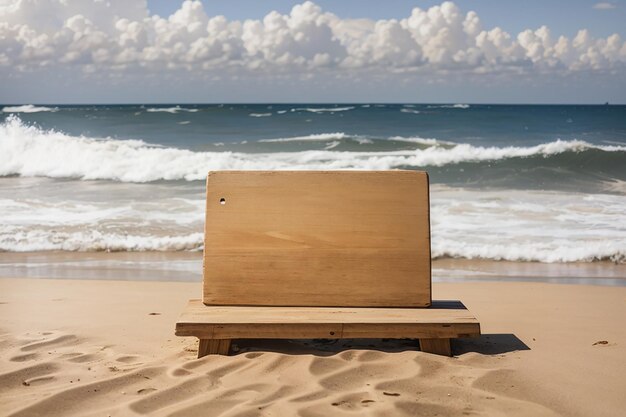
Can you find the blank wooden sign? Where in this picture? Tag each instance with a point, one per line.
(317, 238)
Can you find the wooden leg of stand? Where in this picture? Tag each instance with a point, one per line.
(436, 346)
(213, 347)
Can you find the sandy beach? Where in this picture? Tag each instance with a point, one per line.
(302, 154)
(105, 347)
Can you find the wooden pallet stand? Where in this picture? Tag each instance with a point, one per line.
(319, 254)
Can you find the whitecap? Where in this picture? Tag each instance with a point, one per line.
(450, 106)
(314, 137)
(172, 110)
(323, 109)
(30, 151)
(28, 108)
(421, 141)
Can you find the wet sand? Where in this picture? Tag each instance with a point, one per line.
(187, 266)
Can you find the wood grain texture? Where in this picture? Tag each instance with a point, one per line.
(436, 346)
(213, 347)
(317, 238)
(248, 322)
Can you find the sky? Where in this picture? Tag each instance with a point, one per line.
(158, 51)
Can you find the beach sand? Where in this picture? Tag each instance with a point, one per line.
(103, 347)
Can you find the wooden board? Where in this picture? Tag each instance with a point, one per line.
(317, 238)
(443, 320)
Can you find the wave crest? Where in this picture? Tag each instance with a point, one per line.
(314, 137)
(30, 151)
(322, 109)
(172, 110)
(95, 241)
(411, 111)
(28, 108)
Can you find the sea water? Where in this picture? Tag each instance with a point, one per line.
(508, 182)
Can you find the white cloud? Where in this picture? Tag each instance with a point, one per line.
(604, 5)
(119, 36)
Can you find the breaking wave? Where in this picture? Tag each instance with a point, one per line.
(411, 111)
(96, 241)
(172, 110)
(322, 109)
(28, 108)
(31, 151)
(450, 106)
(314, 137)
(522, 225)
(421, 141)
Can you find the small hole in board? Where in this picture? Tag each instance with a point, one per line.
(222, 201)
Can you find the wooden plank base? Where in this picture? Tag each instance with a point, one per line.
(215, 326)
(213, 347)
(436, 346)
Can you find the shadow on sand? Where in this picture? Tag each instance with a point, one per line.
(487, 344)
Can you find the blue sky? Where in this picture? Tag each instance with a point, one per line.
(130, 51)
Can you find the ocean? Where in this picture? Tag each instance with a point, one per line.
(523, 183)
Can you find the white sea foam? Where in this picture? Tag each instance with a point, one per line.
(411, 111)
(260, 114)
(28, 108)
(528, 225)
(332, 144)
(314, 137)
(30, 151)
(173, 110)
(450, 106)
(63, 223)
(421, 141)
(361, 140)
(281, 111)
(92, 241)
(323, 109)
(521, 226)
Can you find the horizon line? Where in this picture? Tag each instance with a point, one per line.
(311, 102)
